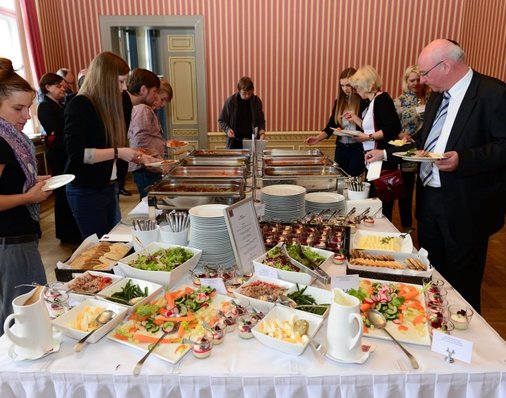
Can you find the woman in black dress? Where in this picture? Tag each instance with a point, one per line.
(50, 113)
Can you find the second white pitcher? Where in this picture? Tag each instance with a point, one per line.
(345, 327)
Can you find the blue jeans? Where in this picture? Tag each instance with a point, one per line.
(350, 157)
(144, 179)
(96, 210)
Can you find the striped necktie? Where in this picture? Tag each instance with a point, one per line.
(435, 132)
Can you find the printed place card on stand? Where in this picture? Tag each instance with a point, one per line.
(245, 234)
(265, 270)
(216, 283)
(452, 346)
(345, 282)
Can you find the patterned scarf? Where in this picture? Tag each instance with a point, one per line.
(24, 151)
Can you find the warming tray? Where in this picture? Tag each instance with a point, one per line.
(302, 171)
(209, 172)
(216, 161)
(220, 152)
(292, 152)
(313, 178)
(185, 193)
(198, 187)
(297, 161)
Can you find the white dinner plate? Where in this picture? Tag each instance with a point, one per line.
(324, 197)
(398, 142)
(432, 158)
(283, 190)
(58, 181)
(208, 211)
(162, 163)
(346, 133)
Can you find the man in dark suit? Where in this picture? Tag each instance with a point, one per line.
(461, 199)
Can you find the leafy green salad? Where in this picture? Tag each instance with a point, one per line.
(162, 260)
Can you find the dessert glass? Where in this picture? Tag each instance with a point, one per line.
(460, 315)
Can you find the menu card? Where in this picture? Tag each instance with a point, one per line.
(245, 234)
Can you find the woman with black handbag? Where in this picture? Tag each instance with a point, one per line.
(379, 121)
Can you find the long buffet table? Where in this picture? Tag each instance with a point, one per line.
(246, 368)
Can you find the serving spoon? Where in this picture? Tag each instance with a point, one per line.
(402, 236)
(379, 321)
(101, 319)
(152, 347)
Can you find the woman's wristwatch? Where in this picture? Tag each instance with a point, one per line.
(371, 137)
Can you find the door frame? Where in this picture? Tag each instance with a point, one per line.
(110, 24)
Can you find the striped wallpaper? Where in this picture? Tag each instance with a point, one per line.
(292, 49)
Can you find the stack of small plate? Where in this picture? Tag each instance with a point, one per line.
(317, 202)
(209, 233)
(284, 203)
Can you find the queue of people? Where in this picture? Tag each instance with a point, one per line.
(464, 119)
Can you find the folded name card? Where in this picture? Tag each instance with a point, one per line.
(445, 344)
(345, 282)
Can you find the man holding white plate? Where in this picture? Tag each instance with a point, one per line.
(461, 198)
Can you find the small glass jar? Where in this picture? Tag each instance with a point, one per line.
(460, 316)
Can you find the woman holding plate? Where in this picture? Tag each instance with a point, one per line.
(379, 120)
(97, 145)
(349, 153)
(20, 192)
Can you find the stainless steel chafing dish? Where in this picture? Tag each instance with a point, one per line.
(235, 161)
(220, 152)
(313, 178)
(184, 193)
(297, 161)
(292, 152)
(209, 172)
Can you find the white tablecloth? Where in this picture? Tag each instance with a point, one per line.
(246, 368)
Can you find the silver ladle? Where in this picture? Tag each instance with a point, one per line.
(101, 319)
(379, 321)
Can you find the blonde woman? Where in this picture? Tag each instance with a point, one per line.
(410, 106)
(97, 145)
(349, 153)
(379, 120)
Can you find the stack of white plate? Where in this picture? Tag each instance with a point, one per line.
(317, 202)
(209, 233)
(284, 203)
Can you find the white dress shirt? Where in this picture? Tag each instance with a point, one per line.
(457, 93)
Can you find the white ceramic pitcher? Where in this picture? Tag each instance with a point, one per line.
(345, 327)
(32, 333)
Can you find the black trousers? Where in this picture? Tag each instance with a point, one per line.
(460, 261)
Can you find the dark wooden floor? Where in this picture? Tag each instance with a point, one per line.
(492, 292)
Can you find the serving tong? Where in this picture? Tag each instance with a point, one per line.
(361, 216)
(178, 220)
(314, 270)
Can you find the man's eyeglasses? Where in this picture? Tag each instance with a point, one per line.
(426, 72)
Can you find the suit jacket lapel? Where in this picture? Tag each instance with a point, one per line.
(463, 114)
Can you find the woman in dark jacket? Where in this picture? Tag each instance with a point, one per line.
(96, 143)
(50, 114)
